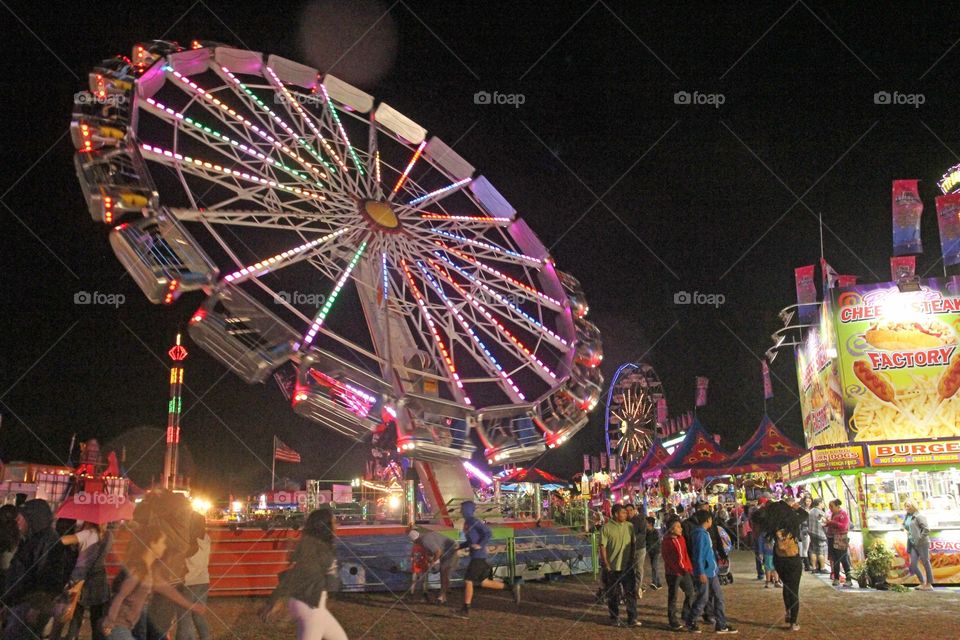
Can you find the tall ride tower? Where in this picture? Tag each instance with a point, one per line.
(177, 353)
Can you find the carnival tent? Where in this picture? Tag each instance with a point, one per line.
(767, 450)
(655, 456)
(698, 453)
(535, 476)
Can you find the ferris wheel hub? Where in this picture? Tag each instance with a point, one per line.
(381, 214)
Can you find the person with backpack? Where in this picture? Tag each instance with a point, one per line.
(709, 591)
(779, 524)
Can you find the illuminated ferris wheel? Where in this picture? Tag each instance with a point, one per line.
(330, 233)
(631, 420)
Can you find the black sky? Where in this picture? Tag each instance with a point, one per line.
(725, 199)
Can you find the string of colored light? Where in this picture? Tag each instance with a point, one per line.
(489, 316)
(463, 323)
(441, 216)
(328, 304)
(385, 276)
(498, 273)
(499, 297)
(200, 91)
(485, 245)
(406, 172)
(343, 132)
(280, 121)
(439, 192)
(447, 360)
(228, 171)
(376, 166)
(239, 145)
(261, 267)
(291, 99)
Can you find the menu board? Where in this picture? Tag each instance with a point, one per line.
(898, 360)
(838, 458)
(907, 453)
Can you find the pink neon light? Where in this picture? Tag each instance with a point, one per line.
(476, 473)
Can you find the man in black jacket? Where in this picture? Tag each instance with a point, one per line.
(37, 572)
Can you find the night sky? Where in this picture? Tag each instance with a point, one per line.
(637, 196)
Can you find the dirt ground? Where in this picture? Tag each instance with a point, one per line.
(567, 610)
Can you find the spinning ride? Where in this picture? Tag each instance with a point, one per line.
(330, 233)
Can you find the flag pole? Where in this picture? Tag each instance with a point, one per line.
(273, 467)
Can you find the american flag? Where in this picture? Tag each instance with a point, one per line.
(283, 452)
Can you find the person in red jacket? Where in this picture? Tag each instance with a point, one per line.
(679, 572)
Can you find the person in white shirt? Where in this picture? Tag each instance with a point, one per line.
(93, 543)
(192, 625)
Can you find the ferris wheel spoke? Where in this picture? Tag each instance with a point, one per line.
(375, 186)
(514, 344)
(480, 350)
(261, 219)
(324, 311)
(284, 259)
(331, 110)
(240, 125)
(523, 289)
(434, 197)
(442, 354)
(488, 248)
(302, 116)
(406, 171)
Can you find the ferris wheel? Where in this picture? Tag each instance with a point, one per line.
(330, 233)
(631, 419)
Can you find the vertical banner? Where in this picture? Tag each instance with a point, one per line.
(829, 274)
(903, 267)
(767, 384)
(595, 463)
(702, 384)
(661, 410)
(614, 463)
(806, 293)
(907, 209)
(603, 461)
(586, 463)
(948, 219)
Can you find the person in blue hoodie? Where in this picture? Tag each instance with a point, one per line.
(709, 591)
(479, 573)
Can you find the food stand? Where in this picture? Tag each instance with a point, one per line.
(879, 376)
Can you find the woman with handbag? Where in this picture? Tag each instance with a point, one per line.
(93, 541)
(780, 523)
(918, 544)
(838, 542)
(306, 583)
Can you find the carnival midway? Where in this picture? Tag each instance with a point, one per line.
(474, 356)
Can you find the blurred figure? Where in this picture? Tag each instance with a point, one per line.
(443, 552)
(479, 573)
(146, 546)
(192, 625)
(9, 537)
(93, 542)
(639, 523)
(818, 537)
(652, 543)
(918, 544)
(306, 583)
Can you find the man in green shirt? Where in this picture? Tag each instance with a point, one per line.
(617, 543)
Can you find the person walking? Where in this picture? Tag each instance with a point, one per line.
(653, 545)
(918, 544)
(146, 546)
(477, 536)
(306, 583)
(679, 573)
(442, 551)
(806, 504)
(837, 528)
(780, 525)
(196, 585)
(639, 523)
(94, 542)
(818, 536)
(709, 591)
(618, 543)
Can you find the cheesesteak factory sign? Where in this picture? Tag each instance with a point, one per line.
(906, 453)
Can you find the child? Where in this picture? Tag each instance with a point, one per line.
(770, 574)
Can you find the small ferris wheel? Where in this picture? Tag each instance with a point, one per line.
(631, 419)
